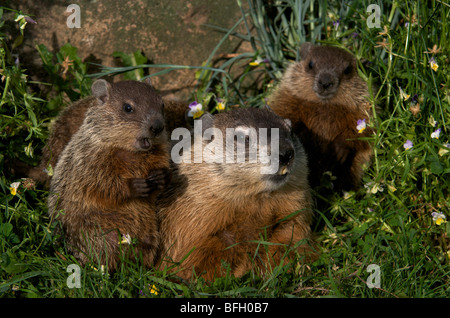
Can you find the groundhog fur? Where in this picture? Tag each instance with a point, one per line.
(108, 176)
(324, 98)
(217, 212)
(69, 121)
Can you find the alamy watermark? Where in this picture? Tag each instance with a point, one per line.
(73, 20)
(373, 20)
(374, 279)
(74, 279)
(240, 142)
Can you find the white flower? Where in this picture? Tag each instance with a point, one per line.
(435, 134)
(408, 144)
(126, 239)
(195, 110)
(438, 218)
(403, 94)
(361, 125)
(13, 187)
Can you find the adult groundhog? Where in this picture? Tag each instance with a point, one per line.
(221, 211)
(107, 177)
(325, 98)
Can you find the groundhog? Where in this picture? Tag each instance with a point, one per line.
(216, 211)
(106, 180)
(70, 120)
(325, 98)
(64, 127)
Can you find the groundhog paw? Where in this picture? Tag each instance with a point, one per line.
(341, 149)
(140, 188)
(158, 179)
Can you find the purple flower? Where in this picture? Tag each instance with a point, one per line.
(361, 125)
(336, 24)
(30, 20)
(196, 110)
(408, 144)
(435, 134)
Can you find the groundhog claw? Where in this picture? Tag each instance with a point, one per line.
(159, 178)
(140, 188)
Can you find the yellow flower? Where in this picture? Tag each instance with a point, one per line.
(434, 66)
(154, 290)
(258, 61)
(361, 125)
(126, 239)
(220, 104)
(13, 187)
(403, 94)
(438, 218)
(196, 110)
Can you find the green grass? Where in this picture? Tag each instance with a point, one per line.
(388, 222)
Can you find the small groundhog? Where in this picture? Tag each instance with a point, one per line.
(70, 120)
(64, 127)
(106, 180)
(217, 212)
(324, 98)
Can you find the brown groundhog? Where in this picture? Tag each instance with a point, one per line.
(217, 212)
(64, 127)
(107, 178)
(324, 98)
(70, 120)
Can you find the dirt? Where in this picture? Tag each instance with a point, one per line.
(167, 32)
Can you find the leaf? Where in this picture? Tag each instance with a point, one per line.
(17, 42)
(6, 229)
(436, 166)
(133, 59)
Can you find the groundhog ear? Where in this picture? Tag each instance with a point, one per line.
(304, 49)
(267, 107)
(148, 81)
(207, 121)
(100, 89)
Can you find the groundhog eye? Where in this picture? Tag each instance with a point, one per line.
(348, 69)
(242, 138)
(127, 108)
(310, 65)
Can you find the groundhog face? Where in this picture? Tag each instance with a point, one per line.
(258, 149)
(326, 68)
(135, 111)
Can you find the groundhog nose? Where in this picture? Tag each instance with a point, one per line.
(326, 82)
(286, 156)
(157, 127)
